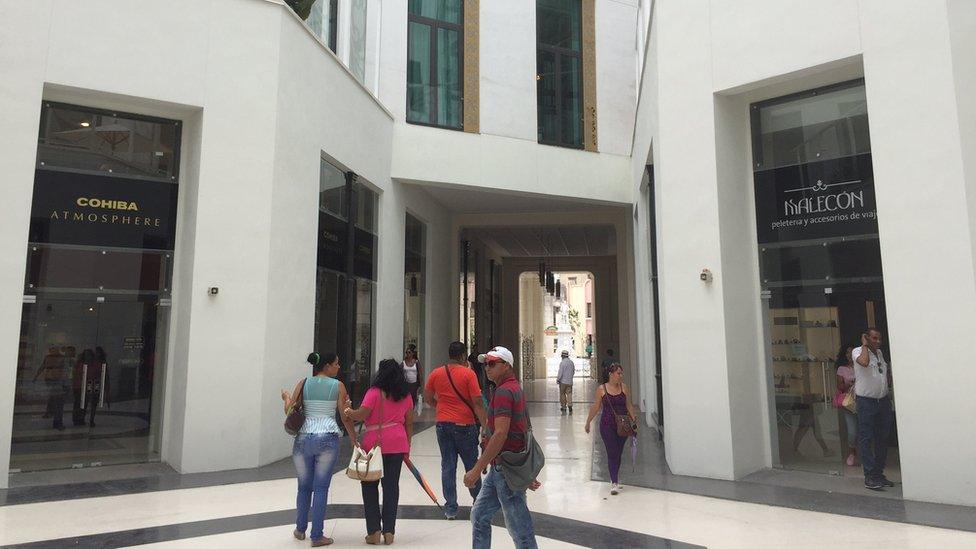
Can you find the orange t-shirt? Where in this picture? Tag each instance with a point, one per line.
(449, 407)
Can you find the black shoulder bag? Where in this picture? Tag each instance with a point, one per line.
(458, 393)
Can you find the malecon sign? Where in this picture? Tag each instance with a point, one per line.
(94, 210)
(816, 200)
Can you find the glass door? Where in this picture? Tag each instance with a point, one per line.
(85, 382)
(811, 332)
(804, 338)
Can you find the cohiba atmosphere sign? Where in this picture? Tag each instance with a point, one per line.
(93, 210)
(817, 200)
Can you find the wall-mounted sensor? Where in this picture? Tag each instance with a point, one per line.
(213, 290)
(706, 275)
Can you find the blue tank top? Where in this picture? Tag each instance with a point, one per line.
(319, 397)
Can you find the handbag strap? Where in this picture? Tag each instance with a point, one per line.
(447, 369)
(299, 404)
(609, 402)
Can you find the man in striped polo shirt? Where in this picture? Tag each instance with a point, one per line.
(506, 430)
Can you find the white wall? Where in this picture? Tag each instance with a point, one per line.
(508, 68)
(705, 66)
(616, 84)
(23, 58)
(317, 103)
(503, 163)
(259, 101)
(755, 40)
(922, 189)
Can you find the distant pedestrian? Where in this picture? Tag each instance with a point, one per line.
(609, 361)
(316, 447)
(614, 397)
(874, 415)
(453, 389)
(413, 371)
(506, 431)
(387, 412)
(567, 368)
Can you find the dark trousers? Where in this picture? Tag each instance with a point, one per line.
(456, 441)
(615, 447)
(874, 420)
(391, 496)
(55, 402)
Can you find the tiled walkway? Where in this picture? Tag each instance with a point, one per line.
(571, 510)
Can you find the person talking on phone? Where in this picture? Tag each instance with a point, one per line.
(874, 415)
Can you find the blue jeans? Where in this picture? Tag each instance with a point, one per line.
(495, 494)
(874, 419)
(314, 456)
(456, 440)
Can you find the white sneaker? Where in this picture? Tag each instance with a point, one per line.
(614, 488)
(620, 487)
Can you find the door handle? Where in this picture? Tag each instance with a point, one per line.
(823, 372)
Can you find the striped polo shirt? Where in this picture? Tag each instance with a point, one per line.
(508, 401)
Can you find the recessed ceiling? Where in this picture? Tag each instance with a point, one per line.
(469, 200)
(549, 240)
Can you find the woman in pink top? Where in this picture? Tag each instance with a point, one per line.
(845, 382)
(387, 413)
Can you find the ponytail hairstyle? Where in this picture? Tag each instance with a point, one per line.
(316, 361)
(320, 361)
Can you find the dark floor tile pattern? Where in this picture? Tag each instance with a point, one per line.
(546, 526)
(652, 471)
(166, 480)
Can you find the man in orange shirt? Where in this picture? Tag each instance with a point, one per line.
(453, 388)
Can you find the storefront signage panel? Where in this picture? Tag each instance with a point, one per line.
(816, 200)
(332, 247)
(94, 210)
(332, 242)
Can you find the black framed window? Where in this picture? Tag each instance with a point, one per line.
(435, 54)
(559, 72)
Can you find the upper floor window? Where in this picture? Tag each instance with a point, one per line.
(323, 19)
(434, 57)
(559, 72)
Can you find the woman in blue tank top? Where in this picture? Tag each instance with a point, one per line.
(317, 444)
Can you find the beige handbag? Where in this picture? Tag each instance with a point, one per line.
(368, 466)
(850, 401)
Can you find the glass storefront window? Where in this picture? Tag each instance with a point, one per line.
(820, 265)
(97, 290)
(344, 291)
(821, 126)
(332, 188)
(414, 283)
(105, 142)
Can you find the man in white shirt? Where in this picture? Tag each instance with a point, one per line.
(874, 416)
(567, 368)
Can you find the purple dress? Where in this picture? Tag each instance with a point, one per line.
(608, 430)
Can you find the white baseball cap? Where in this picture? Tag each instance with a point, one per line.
(565, 352)
(497, 353)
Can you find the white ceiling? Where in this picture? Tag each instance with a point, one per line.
(469, 200)
(549, 240)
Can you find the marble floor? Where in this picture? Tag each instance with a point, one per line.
(570, 509)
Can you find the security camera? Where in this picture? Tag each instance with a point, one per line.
(706, 275)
